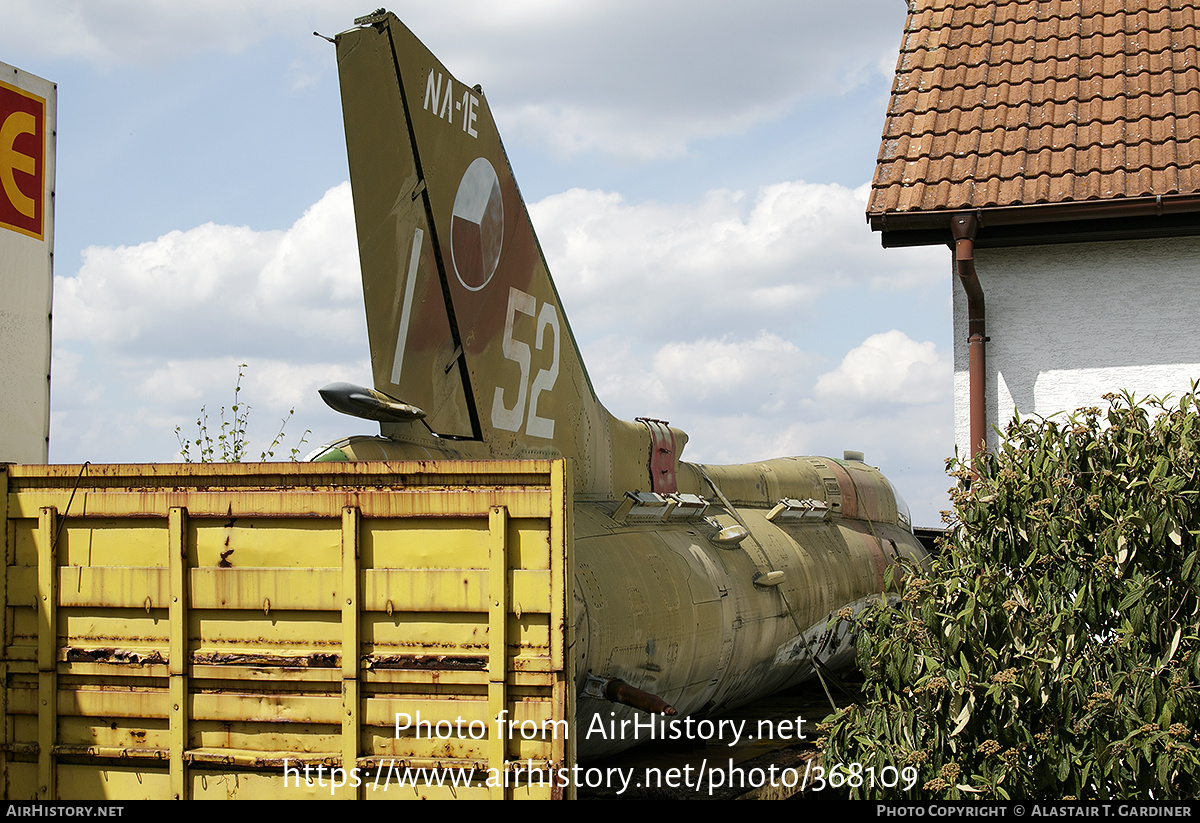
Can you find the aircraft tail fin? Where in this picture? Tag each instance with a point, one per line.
(463, 319)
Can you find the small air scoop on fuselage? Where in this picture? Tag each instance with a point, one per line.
(369, 404)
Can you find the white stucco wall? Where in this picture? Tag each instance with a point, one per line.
(1070, 323)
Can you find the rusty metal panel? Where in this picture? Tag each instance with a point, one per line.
(214, 631)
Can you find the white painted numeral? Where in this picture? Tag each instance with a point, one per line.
(414, 257)
(518, 351)
(544, 379)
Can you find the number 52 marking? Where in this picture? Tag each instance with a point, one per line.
(518, 352)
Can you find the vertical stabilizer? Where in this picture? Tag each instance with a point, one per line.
(464, 321)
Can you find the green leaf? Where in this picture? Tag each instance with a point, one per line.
(1174, 647)
(964, 717)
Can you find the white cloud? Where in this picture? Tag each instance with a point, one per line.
(642, 80)
(628, 79)
(224, 289)
(145, 335)
(149, 32)
(728, 373)
(704, 377)
(889, 367)
(727, 262)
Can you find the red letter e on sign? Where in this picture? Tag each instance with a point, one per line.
(22, 160)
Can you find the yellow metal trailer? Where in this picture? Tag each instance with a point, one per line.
(328, 630)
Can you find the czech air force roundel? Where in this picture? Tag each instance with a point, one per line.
(477, 228)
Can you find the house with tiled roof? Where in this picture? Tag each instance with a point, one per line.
(1054, 146)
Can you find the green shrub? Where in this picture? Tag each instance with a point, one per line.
(1052, 648)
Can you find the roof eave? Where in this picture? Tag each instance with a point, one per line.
(1048, 223)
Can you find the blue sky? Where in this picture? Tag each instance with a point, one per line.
(696, 172)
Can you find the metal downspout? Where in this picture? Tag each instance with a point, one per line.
(963, 228)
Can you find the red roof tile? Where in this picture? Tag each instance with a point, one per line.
(1021, 102)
